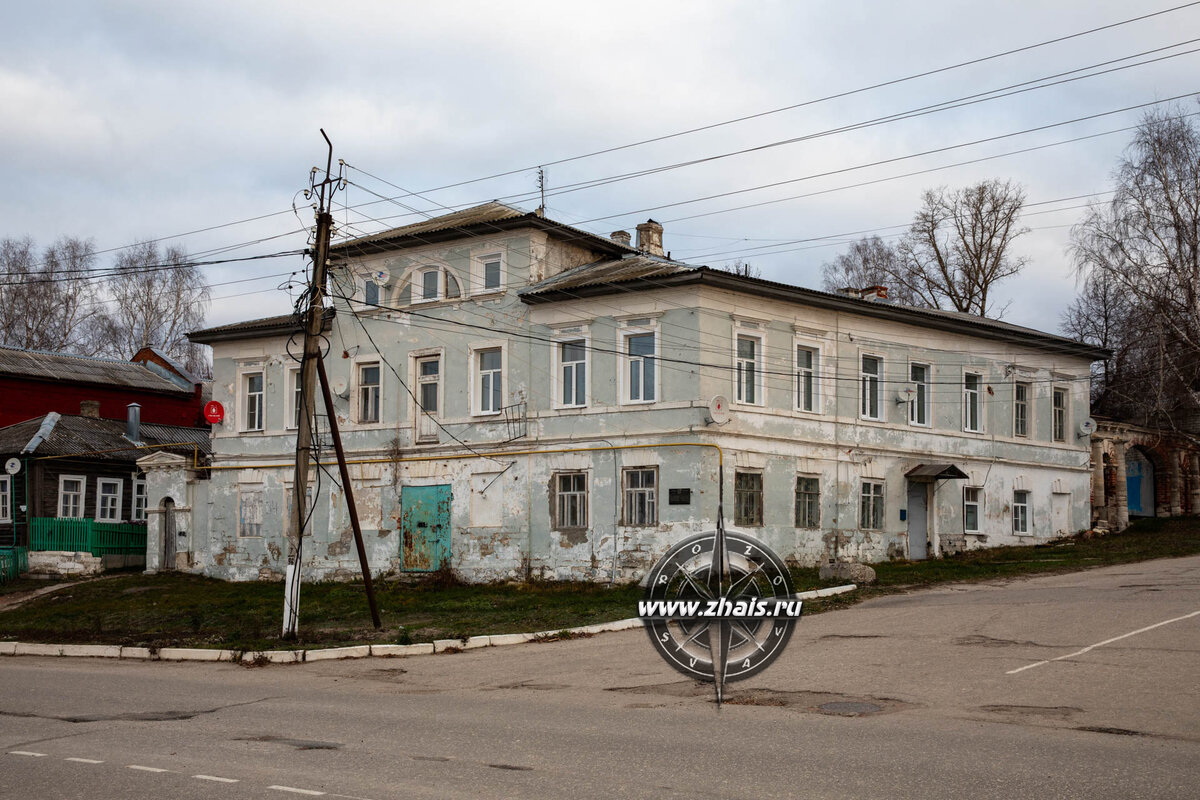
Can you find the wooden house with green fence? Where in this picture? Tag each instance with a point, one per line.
(72, 499)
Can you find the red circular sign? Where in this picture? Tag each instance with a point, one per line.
(214, 412)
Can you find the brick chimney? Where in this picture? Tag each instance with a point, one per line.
(650, 238)
(89, 408)
(874, 293)
(620, 237)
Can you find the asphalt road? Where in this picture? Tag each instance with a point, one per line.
(953, 708)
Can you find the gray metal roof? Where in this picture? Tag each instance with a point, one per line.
(283, 325)
(87, 437)
(488, 218)
(610, 271)
(68, 368)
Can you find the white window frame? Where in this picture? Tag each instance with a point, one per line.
(244, 395)
(923, 401)
(631, 494)
(560, 369)
(867, 383)
(417, 293)
(812, 373)
(293, 384)
(359, 387)
(872, 502)
(479, 265)
(1024, 406)
(560, 497)
(977, 503)
(1059, 427)
(416, 380)
(82, 496)
(1020, 512)
(140, 492)
(748, 392)
(6, 498)
(100, 484)
(476, 377)
(969, 395)
(626, 365)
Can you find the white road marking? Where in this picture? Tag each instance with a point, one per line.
(147, 769)
(294, 790)
(26, 753)
(1106, 641)
(215, 778)
(84, 760)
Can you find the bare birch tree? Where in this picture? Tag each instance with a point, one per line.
(1145, 244)
(49, 299)
(157, 297)
(870, 261)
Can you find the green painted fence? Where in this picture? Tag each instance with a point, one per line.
(13, 561)
(87, 536)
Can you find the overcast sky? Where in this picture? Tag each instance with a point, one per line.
(125, 121)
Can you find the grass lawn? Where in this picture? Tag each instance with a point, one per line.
(183, 610)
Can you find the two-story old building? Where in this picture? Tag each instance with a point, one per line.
(520, 397)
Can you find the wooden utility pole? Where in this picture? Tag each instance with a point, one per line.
(308, 382)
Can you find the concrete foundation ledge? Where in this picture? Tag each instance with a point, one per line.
(196, 654)
(399, 650)
(8, 648)
(28, 649)
(477, 641)
(137, 652)
(92, 650)
(361, 651)
(502, 639)
(275, 656)
(830, 592)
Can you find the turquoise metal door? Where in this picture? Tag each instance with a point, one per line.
(424, 528)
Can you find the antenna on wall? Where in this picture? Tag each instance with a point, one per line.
(542, 191)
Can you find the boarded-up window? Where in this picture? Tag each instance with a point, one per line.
(487, 492)
(250, 511)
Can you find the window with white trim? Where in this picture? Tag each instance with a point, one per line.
(572, 372)
(108, 499)
(252, 401)
(806, 378)
(1021, 409)
(748, 499)
(1020, 512)
(748, 364)
(871, 506)
(489, 273)
(6, 500)
(641, 381)
(250, 510)
(368, 392)
(570, 500)
(972, 503)
(971, 399)
(429, 390)
(296, 392)
(429, 287)
(808, 502)
(919, 405)
(1059, 421)
(641, 496)
(872, 371)
(371, 293)
(138, 513)
(71, 494)
(490, 380)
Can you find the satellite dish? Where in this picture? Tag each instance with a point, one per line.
(718, 409)
(340, 387)
(12, 466)
(1087, 427)
(380, 276)
(906, 394)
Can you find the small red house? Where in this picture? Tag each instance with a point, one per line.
(34, 383)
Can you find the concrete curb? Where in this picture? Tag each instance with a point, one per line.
(332, 653)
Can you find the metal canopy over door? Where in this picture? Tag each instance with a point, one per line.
(424, 527)
(918, 533)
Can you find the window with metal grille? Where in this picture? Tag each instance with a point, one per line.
(808, 502)
(748, 499)
(641, 496)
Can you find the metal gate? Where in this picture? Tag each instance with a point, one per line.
(424, 527)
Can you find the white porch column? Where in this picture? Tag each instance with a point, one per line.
(1098, 500)
(1122, 492)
